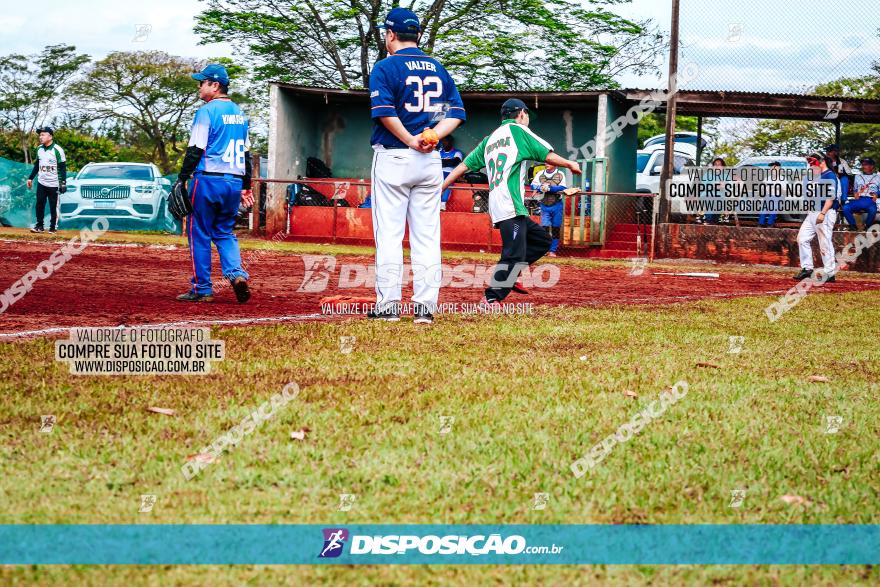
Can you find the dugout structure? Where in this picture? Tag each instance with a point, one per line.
(335, 126)
(744, 242)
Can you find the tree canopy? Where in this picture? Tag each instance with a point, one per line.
(500, 44)
(30, 86)
(150, 91)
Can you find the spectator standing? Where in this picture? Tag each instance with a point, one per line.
(50, 169)
(768, 219)
(841, 168)
(712, 218)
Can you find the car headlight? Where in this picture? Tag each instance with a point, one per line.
(71, 188)
(143, 189)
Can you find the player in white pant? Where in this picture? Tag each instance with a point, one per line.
(410, 93)
(406, 190)
(821, 224)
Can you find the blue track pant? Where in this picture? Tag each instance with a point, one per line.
(215, 201)
(863, 204)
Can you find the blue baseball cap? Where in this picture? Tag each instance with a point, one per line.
(401, 20)
(214, 73)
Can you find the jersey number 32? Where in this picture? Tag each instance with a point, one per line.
(424, 90)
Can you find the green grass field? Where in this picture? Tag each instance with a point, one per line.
(525, 406)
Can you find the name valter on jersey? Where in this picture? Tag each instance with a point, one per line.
(504, 154)
(221, 130)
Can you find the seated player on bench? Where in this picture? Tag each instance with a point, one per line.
(866, 188)
(549, 182)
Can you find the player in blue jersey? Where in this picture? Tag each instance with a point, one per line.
(450, 157)
(409, 92)
(217, 167)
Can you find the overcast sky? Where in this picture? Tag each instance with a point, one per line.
(761, 45)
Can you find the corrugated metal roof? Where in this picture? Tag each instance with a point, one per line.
(758, 94)
(594, 92)
(709, 103)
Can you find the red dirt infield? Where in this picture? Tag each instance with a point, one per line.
(116, 284)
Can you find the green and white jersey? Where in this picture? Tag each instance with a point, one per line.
(504, 154)
(48, 159)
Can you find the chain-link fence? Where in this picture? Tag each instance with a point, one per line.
(619, 222)
(778, 47)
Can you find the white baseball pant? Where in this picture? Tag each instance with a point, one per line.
(406, 190)
(808, 230)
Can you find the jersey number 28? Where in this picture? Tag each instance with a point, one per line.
(234, 154)
(422, 93)
(496, 170)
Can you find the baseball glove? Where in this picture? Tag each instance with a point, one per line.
(179, 203)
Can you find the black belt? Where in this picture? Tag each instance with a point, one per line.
(394, 147)
(216, 174)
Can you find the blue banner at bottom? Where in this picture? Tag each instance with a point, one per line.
(439, 544)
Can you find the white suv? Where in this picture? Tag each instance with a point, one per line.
(684, 141)
(648, 167)
(128, 192)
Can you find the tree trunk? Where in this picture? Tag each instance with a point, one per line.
(164, 164)
(25, 150)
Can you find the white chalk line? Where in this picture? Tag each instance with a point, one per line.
(105, 245)
(256, 320)
(296, 317)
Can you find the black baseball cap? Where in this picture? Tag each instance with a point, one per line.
(47, 129)
(512, 106)
(832, 147)
(867, 161)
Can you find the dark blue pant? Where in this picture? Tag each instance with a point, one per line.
(863, 204)
(444, 197)
(51, 195)
(215, 201)
(765, 218)
(522, 243)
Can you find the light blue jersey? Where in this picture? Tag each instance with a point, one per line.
(221, 130)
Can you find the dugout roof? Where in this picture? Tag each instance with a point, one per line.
(714, 103)
(481, 97)
(723, 104)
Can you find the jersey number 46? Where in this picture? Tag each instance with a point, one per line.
(423, 93)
